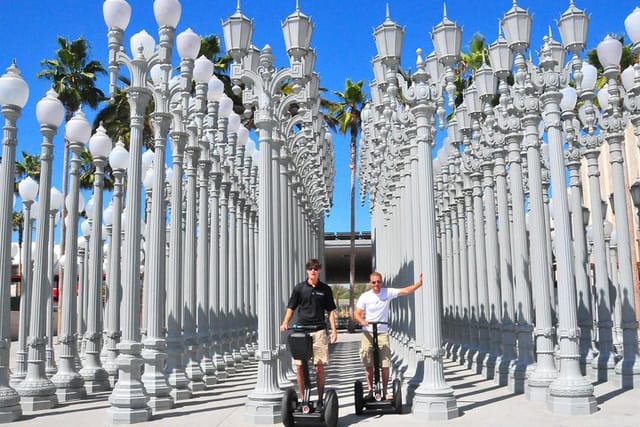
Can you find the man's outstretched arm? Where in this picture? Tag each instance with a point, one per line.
(411, 288)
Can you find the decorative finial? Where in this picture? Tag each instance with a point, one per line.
(419, 60)
(550, 34)
(297, 4)
(444, 9)
(388, 15)
(238, 6)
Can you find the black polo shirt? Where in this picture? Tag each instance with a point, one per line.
(311, 303)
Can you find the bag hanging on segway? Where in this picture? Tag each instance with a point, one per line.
(300, 345)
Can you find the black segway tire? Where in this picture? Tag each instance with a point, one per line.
(397, 395)
(358, 397)
(331, 408)
(288, 406)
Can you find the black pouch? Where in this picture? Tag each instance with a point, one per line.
(300, 345)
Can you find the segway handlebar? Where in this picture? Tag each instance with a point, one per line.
(306, 328)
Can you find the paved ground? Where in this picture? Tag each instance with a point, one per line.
(480, 401)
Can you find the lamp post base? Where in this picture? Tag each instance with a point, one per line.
(38, 403)
(537, 385)
(571, 396)
(263, 409)
(10, 409)
(129, 415)
(69, 384)
(435, 406)
(627, 373)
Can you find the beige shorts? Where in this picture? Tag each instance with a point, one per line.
(366, 349)
(320, 348)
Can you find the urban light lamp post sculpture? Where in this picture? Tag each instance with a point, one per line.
(263, 405)
(14, 93)
(56, 201)
(28, 189)
(128, 399)
(69, 383)
(434, 398)
(119, 160)
(37, 392)
(94, 375)
(613, 123)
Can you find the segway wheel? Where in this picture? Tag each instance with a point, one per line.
(288, 406)
(397, 395)
(358, 397)
(331, 408)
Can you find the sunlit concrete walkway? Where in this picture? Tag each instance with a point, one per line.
(481, 403)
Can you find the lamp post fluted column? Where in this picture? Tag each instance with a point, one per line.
(175, 340)
(14, 93)
(263, 402)
(154, 343)
(434, 399)
(37, 392)
(118, 160)
(613, 124)
(570, 393)
(204, 274)
(20, 370)
(94, 375)
(192, 369)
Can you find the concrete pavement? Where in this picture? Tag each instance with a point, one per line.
(481, 403)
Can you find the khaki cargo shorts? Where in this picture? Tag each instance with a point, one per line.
(366, 349)
(320, 348)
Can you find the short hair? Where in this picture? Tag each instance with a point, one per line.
(375, 273)
(313, 263)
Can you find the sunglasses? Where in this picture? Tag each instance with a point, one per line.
(313, 269)
(376, 281)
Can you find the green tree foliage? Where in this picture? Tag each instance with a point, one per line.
(73, 75)
(347, 114)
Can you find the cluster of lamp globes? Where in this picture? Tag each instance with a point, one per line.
(14, 91)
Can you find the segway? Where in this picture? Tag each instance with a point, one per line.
(306, 412)
(377, 402)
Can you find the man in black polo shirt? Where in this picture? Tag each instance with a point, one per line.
(312, 298)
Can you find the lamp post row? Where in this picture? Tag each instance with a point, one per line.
(490, 152)
(220, 172)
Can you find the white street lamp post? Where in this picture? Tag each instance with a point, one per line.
(14, 93)
(69, 383)
(613, 124)
(94, 375)
(28, 189)
(57, 201)
(37, 392)
(119, 160)
(263, 404)
(128, 399)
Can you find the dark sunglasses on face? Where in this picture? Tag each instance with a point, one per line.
(313, 269)
(376, 281)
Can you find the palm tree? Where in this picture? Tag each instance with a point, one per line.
(116, 118)
(29, 166)
(346, 112)
(73, 76)
(469, 63)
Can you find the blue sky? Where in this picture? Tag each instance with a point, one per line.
(342, 38)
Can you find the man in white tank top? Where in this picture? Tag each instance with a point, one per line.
(373, 306)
